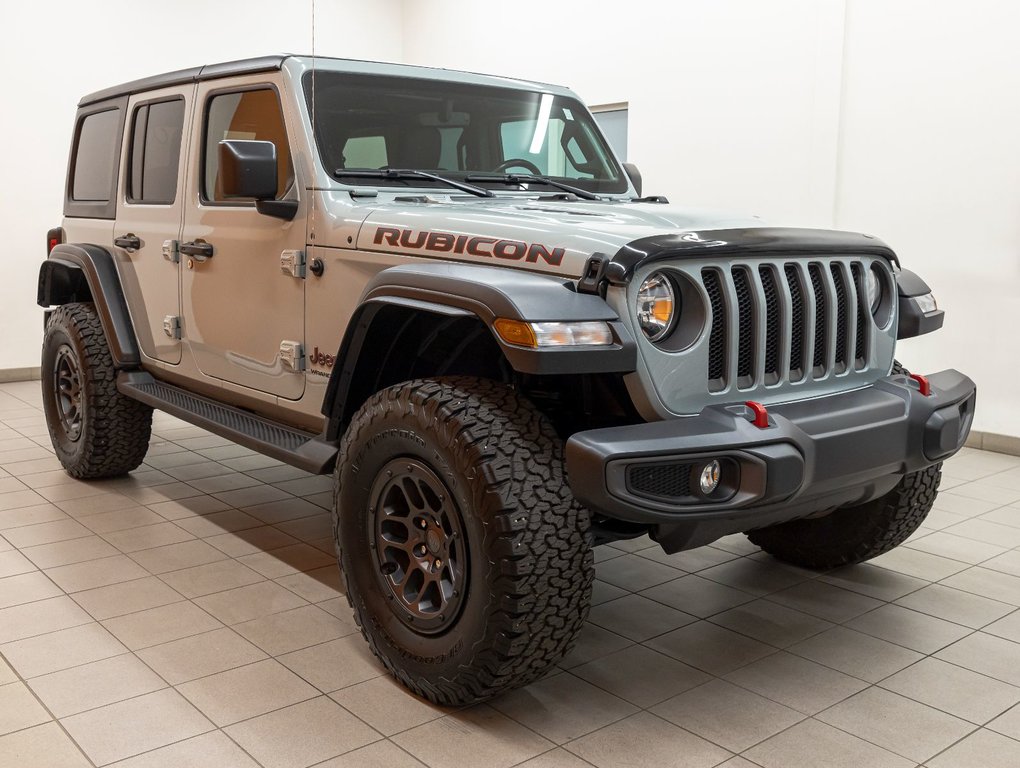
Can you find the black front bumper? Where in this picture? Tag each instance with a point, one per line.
(814, 455)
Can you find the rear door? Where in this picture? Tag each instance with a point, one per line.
(150, 211)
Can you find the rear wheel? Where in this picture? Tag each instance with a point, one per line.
(467, 561)
(95, 430)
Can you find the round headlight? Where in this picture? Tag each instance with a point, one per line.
(873, 289)
(656, 306)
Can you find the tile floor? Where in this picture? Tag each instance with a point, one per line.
(190, 615)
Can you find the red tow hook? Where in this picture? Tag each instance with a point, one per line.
(761, 416)
(922, 383)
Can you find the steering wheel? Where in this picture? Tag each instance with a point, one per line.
(517, 162)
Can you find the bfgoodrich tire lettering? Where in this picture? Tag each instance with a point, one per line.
(95, 430)
(528, 563)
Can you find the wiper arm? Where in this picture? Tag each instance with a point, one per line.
(516, 178)
(408, 173)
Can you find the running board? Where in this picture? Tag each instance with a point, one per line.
(299, 449)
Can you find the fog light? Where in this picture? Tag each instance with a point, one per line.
(709, 477)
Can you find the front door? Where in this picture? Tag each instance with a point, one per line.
(149, 213)
(238, 305)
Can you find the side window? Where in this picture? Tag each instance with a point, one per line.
(95, 157)
(252, 115)
(155, 152)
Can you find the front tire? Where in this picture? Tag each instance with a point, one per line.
(95, 430)
(466, 559)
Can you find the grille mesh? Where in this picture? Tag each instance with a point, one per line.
(860, 351)
(668, 481)
(841, 314)
(768, 284)
(796, 323)
(745, 309)
(821, 317)
(717, 337)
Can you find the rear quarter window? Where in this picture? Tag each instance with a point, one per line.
(95, 157)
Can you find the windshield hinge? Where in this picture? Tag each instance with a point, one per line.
(593, 275)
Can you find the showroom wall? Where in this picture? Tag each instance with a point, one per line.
(899, 119)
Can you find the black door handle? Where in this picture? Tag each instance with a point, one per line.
(197, 249)
(128, 242)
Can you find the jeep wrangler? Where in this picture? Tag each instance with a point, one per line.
(445, 289)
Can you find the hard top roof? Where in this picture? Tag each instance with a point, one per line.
(275, 62)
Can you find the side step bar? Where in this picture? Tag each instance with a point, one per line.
(299, 449)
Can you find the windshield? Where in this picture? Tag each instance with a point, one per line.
(371, 122)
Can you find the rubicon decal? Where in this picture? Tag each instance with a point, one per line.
(447, 242)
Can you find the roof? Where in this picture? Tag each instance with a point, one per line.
(275, 62)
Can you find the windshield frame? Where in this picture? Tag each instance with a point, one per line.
(615, 185)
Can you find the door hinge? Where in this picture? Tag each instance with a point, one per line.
(292, 355)
(172, 326)
(293, 263)
(171, 252)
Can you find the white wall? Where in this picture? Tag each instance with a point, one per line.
(901, 119)
(53, 52)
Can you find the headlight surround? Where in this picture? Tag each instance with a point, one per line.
(657, 308)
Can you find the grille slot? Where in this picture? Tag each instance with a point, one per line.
(780, 321)
(670, 481)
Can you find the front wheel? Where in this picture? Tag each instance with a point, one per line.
(466, 559)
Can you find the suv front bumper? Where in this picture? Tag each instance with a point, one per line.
(815, 455)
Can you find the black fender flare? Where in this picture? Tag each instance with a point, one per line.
(82, 272)
(486, 293)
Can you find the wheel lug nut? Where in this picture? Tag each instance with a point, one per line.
(422, 523)
(420, 550)
(439, 563)
(387, 568)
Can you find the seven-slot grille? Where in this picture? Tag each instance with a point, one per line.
(780, 321)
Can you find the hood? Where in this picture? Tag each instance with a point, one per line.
(539, 235)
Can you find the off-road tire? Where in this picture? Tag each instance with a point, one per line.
(530, 564)
(110, 432)
(854, 534)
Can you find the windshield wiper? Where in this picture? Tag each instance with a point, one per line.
(408, 173)
(517, 178)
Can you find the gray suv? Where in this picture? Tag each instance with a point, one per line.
(445, 289)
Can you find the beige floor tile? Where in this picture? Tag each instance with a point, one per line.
(45, 746)
(154, 494)
(896, 723)
(771, 623)
(387, 706)
(61, 649)
(147, 537)
(873, 581)
(1006, 563)
(698, 596)
(593, 642)
(711, 648)
(336, 664)
(251, 541)
(19, 499)
(635, 573)
(188, 507)
(796, 683)
(908, 628)
(6, 673)
(638, 618)
(243, 491)
(96, 684)
(137, 725)
(71, 490)
(725, 714)
(41, 513)
(380, 754)
(96, 573)
(987, 655)
(285, 561)
(562, 707)
(302, 734)
(200, 655)
(68, 552)
(309, 528)
(161, 625)
(956, 606)
(246, 603)
(988, 583)
(811, 744)
(121, 520)
(641, 676)
(982, 749)
(26, 588)
(1008, 627)
(216, 523)
(40, 617)
(955, 690)
(210, 578)
(987, 532)
(949, 543)
(127, 597)
(856, 654)
(46, 533)
(176, 557)
(295, 629)
(277, 511)
(825, 601)
(210, 750)
(644, 739)
(238, 694)
(19, 708)
(478, 736)
(94, 505)
(758, 577)
(1008, 724)
(314, 586)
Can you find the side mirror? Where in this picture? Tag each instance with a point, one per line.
(248, 169)
(635, 176)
